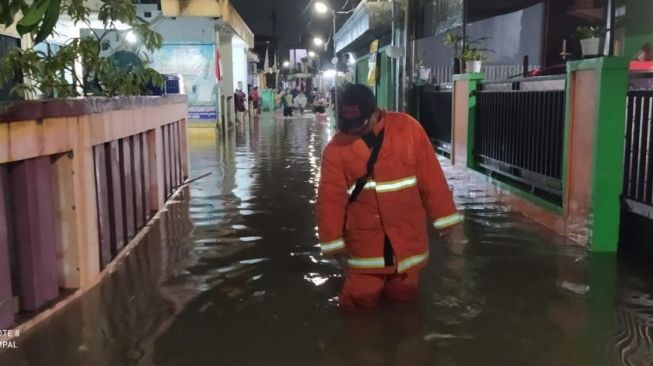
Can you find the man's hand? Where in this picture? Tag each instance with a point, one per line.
(342, 258)
(456, 239)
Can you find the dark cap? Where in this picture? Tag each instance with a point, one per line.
(356, 104)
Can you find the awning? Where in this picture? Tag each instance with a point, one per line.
(252, 56)
(369, 21)
(300, 76)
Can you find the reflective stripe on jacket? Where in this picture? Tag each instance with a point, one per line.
(407, 186)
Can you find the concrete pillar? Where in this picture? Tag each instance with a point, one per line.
(6, 296)
(115, 196)
(127, 187)
(227, 84)
(594, 148)
(218, 91)
(185, 163)
(86, 213)
(137, 174)
(103, 200)
(156, 191)
(65, 225)
(592, 177)
(464, 115)
(147, 180)
(31, 189)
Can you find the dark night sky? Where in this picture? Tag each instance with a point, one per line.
(290, 21)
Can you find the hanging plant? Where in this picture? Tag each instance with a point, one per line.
(82, 66)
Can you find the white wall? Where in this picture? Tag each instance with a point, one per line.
(11, 31)
(240, 72)
(227, 83)
(186, 30)
(233, 53)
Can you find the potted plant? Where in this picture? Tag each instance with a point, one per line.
(467, 51)
(473, 58)
(422, 72)
(590, 39)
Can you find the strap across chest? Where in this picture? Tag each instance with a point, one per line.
(374, 143)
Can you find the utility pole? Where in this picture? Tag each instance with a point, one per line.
(335, 63)
(274, 23)
(408, 64)
(276, 46)
(610, 9)
(458, 62)
(396, 64)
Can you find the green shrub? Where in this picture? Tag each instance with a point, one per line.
(82, 66)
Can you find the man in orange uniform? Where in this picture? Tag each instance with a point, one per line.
(380, 182)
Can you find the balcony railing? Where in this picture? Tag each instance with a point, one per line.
(493, 72)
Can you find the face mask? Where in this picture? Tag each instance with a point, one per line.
(357, 129)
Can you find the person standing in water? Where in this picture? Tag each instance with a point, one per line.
(300, 102)
(287, 103)
(255, 97)
(380, 181)
(240, 100)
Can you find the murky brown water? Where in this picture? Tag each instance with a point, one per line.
(232, 275)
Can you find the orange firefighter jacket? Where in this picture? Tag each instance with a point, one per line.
(407, 187)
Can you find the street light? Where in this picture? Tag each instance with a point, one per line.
(352, 59)
(330, 73)
(318, 41)
(286, 64)
(131, 37)
(321, 7)
(311, 54)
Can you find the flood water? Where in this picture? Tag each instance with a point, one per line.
(232, 275)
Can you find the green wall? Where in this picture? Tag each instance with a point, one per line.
(383, 89)
(362, 69)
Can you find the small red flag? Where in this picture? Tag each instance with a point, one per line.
(218, 73)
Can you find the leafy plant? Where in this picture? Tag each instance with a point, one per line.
(455, 42)
(465, 48)
(83, 65)
(473, 54)
(586, 32)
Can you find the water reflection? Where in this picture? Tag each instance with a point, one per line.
(232, 275)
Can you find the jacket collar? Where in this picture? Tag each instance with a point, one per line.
(359, 146)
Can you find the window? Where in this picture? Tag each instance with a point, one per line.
(7, 43)
(438, 16)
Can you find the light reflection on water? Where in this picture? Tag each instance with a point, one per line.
(246, 284)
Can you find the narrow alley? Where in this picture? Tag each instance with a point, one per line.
(232, 275)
